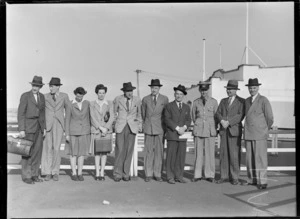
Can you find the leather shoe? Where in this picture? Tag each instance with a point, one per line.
(74, 177)
(180, 180)
(235, 182)
(221, 181)
(196, 179)
(48, 177)
(28, 181)
(55, 177)
(117, 179)
(212, 180)
(158, 179)
(147, 179)
(101, 178)
(262, 186)
(171, 181)
(36, 179)
(97, 178)
(126, 179)
(80, 178)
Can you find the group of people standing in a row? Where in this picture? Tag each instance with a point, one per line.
(88, 127)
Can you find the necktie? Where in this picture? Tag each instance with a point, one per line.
(53, 97)
(203, 101)
(229, 101)
(127, 104)
(154, 100)
(37, 98)
(180, 107)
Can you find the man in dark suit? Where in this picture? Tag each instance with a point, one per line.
(258, 121)
(177, 118)
(152, 109)
(230, 114)
(31, 124)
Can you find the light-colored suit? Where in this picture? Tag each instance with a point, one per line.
(231, 136)
(55, 126)
(128, 123)
(205, 133)
(153, 129)
(97, 120)
(258, 122)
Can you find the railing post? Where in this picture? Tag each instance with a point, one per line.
(274, 139)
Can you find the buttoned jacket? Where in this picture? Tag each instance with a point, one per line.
(97, 116)
(30, 113)
(78, 120)
(56, 109)
(173, 118)
(152, 114)
(132, 117)
(259, 118)
(234, 114)
(204, 117)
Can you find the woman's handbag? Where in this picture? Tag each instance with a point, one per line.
(103, 145)
(19, 146)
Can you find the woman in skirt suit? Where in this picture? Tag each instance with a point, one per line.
(78, 131)
(102, 118)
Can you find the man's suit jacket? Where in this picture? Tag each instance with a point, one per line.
(55, 109)
(97, 117)
(234, 114)
(259, 118)
(173, 118)
(78, 121)
(133, 117)
(204, 117)
(30, 113)
(152, 114)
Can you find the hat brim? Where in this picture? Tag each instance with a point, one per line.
(249, 85)
(128, 89)
(183, 91)
(233, 88)
(153, 85)
(55, 84)
(36, 83)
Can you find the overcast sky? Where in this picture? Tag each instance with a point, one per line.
(89, 44)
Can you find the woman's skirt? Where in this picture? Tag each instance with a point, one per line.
(78, 145)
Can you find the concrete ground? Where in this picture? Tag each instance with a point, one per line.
(137, 198)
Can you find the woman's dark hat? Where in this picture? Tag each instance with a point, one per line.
(37, 80)
(155, 82)
(203, 85)
(55, 81)
(253, 82)
(232, 84)
(181, 88)
(127, 87)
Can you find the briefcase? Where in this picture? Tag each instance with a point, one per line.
(103, 145)
(19, 146)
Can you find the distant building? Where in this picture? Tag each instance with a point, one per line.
(278, 85)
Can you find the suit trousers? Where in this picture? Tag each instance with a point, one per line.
(230, 156)
(257, 161)
(51, 150)
(123, 152)
(154, 155)
(31, 165)
(175, 161)
(208, 144)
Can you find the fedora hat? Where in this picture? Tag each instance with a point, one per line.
(203, 85)
(155, 82)
(253, 82)
(181, 88)
(55, 81)
(232, 84)
(127, 87)
(37, 80)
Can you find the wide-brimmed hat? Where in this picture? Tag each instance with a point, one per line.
(253, 82)
(37, 80)
(181, 88)
(155, 82)
(127, 87)
(232, 84)
(203, 85)
(55, 81)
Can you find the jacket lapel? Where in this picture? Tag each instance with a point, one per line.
(176, 107)
(123, 102)
(254, 104)
(75, 105)
(32, 98)
(49, 99)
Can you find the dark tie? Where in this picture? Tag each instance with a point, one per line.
(53, 97)
(154, 100)
(203, 101)
(127, 104)
(180, 106)
(37, 98)
(229, 101)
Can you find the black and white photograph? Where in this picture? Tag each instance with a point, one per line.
(150, 109)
